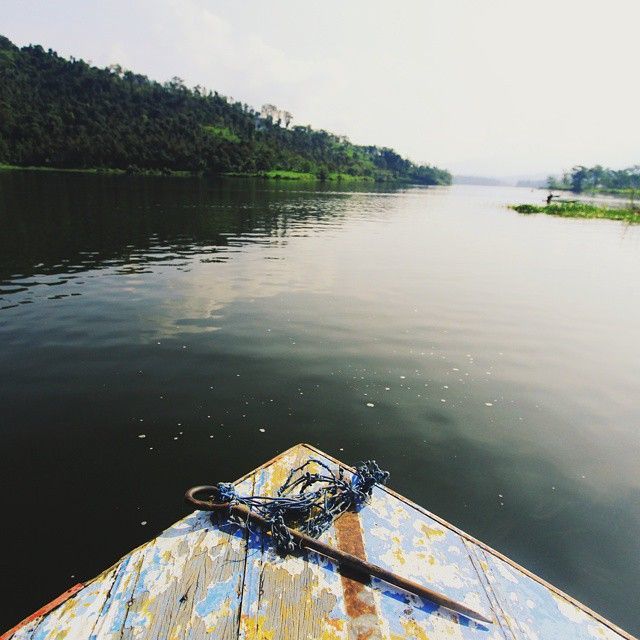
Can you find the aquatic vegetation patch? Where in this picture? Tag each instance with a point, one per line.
(581, 210)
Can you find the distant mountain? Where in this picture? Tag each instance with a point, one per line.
(67, 114)
(479, 180)
(533, 182)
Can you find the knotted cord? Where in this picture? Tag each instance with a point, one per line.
(309, 501)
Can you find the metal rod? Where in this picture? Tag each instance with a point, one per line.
(343, 558)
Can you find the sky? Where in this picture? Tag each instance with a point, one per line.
(482, 87)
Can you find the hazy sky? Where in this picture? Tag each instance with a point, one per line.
(494, 87)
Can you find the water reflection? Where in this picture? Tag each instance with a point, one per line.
(57, 225)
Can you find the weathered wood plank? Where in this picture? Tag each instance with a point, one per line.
(407, 542)
(290, 597)
(23, 630)
(535, 611)
(35, 618)
(360, 599)
(188, 583)
(75, 618)
(475, 554)
(116, 608)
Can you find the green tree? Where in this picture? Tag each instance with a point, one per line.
(67, 113)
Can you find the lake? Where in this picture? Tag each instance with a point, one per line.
(157, 333)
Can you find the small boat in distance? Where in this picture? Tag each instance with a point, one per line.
(207, 577)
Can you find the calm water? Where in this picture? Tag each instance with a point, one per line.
(500, 353)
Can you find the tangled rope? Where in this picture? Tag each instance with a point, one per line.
(309, 502)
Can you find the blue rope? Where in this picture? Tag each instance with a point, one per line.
(309, 501)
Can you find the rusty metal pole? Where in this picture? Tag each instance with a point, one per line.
(343, 558)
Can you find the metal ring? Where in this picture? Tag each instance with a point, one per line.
(205, 505)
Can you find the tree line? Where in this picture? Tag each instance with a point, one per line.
(64, 113)
(598, 178)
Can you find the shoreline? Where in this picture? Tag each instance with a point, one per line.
(621, 193)
(272, 174)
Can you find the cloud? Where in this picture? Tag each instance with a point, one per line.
(237, 62)
(500, 87)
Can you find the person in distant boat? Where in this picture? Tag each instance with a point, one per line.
(550, 197)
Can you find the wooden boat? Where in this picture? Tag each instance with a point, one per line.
(202, 579)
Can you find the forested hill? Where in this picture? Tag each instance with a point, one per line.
(68, 114)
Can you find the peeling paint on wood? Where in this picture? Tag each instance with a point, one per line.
(359, 598)
(36, 617)
(207, 579)
(294, 596)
